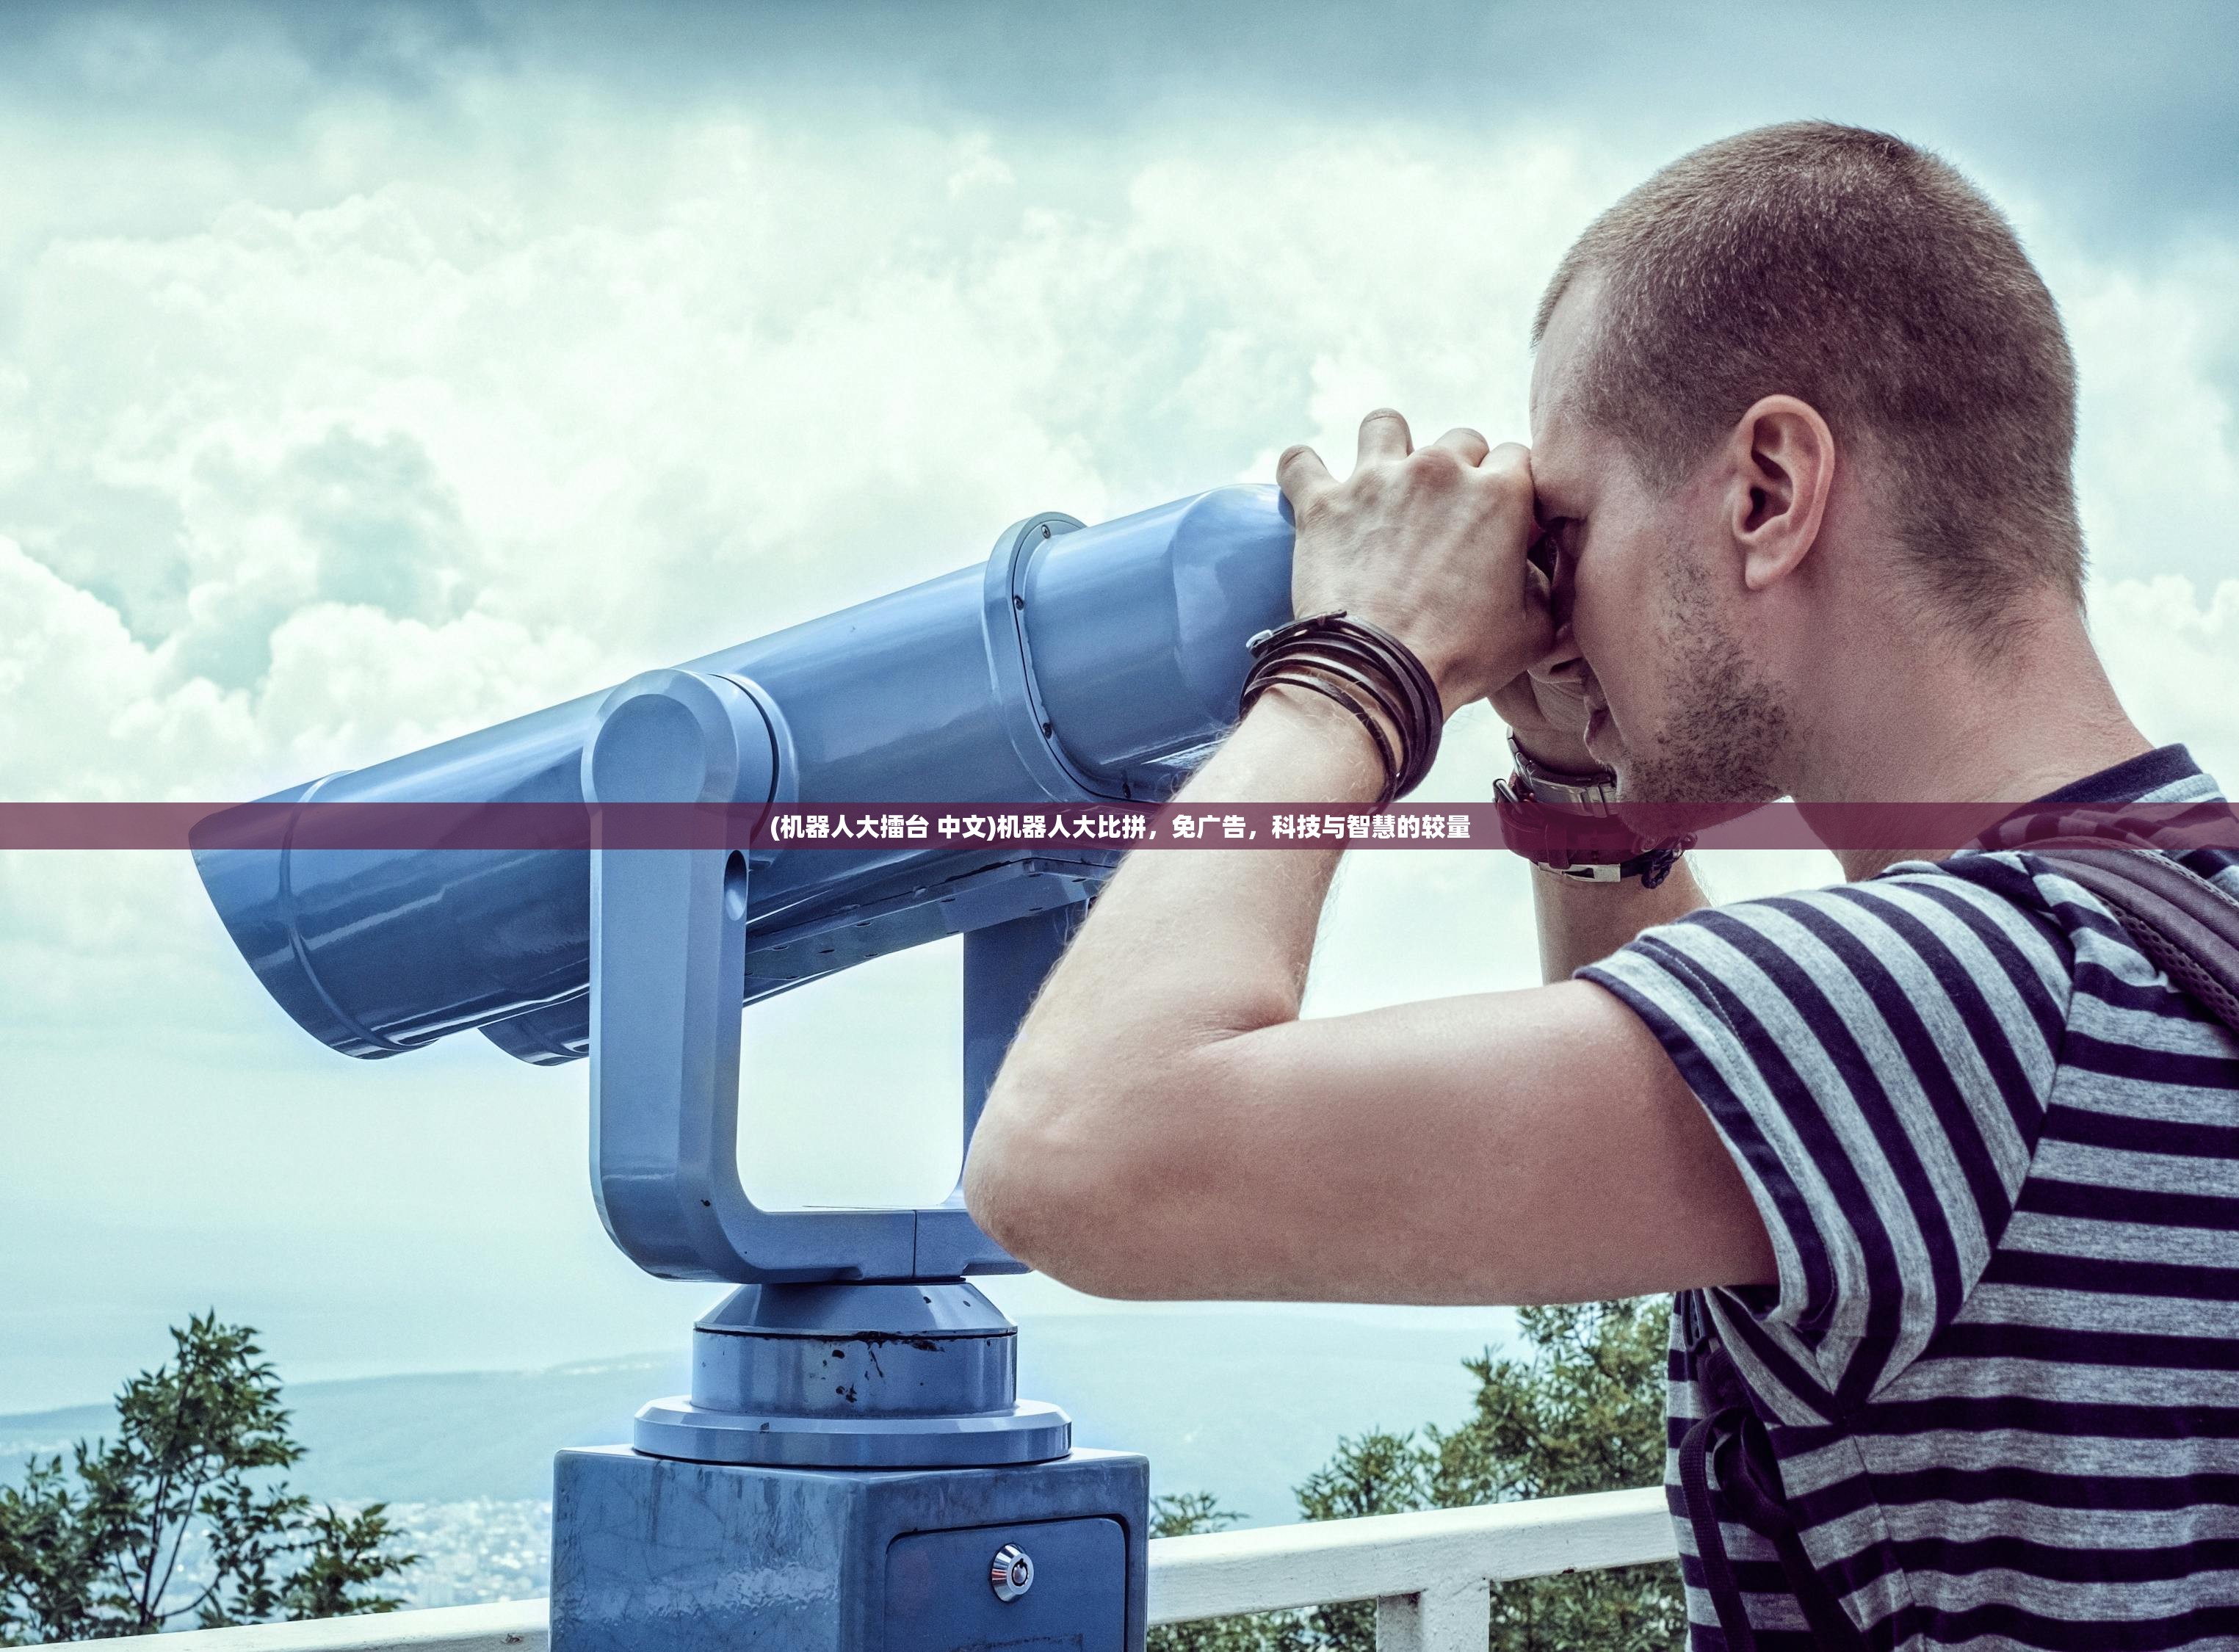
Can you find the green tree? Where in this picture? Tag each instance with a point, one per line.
(1189, 1514)
(1582, 1410)
(1376, 1473)
(96, 1551)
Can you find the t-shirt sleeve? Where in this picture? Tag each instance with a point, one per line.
(1878, 1057)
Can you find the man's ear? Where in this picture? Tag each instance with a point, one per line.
(1782, 473)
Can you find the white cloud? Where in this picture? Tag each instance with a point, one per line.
(313, 484)
(2175, 660)
(2158, 459)
(343, 450)
(305, 487)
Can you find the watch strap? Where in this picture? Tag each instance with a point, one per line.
(1596, 847)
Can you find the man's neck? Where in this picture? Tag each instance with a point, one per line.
(1942, 727)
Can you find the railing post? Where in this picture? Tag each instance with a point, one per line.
(1453, 1617)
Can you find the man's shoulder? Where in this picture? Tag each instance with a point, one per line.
(2011, 902)
(2015, 884)
(1958, 949)
(2028, 895)
(1987, 940)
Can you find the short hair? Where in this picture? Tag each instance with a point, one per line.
(1870, 279)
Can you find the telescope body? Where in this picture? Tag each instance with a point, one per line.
(853, 1435)
(1075, 665)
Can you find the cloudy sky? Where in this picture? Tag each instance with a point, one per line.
(370, 373)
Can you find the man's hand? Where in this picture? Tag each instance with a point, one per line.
(1428, 544)
(1547, 714)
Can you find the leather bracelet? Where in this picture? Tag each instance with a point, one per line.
(1371, 683)
(1411, 697)
(1305, 679)
(1370, 660)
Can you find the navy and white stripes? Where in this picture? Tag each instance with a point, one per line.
(1998, 1156)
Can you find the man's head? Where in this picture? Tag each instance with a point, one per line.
(1805, 339)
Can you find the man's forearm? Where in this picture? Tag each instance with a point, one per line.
(1187, 951)
(1583, 923)
(1186, 943)
(1166, 1125)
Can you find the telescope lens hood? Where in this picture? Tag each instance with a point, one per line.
(253, 893)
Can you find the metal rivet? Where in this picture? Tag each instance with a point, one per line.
(1012, 1572)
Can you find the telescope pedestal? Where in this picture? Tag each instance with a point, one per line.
(789, 1375)
(653, 1555)
(852, 1472)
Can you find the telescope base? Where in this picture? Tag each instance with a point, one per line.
(654, 1554)
(913, 1374)
(1030, 1431)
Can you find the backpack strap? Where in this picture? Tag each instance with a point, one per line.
(2186, 925)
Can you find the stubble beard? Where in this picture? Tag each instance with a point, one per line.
(1725, 730)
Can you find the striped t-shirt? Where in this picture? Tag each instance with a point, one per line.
(1998, 1154)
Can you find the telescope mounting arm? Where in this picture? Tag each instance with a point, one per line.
(669, 950)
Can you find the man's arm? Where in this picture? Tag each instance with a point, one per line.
(1579, 922)
(1165, 1125)
(1583, 923)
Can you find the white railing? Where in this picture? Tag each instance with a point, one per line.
(1428, 1574)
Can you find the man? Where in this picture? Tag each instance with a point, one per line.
(1955, 1167)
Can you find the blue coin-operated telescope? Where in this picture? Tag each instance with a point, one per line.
(852, 1470)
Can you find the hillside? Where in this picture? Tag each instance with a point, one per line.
(1242, 1405)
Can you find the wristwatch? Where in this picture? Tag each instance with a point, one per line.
(1567, 822)
(1591, 792)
